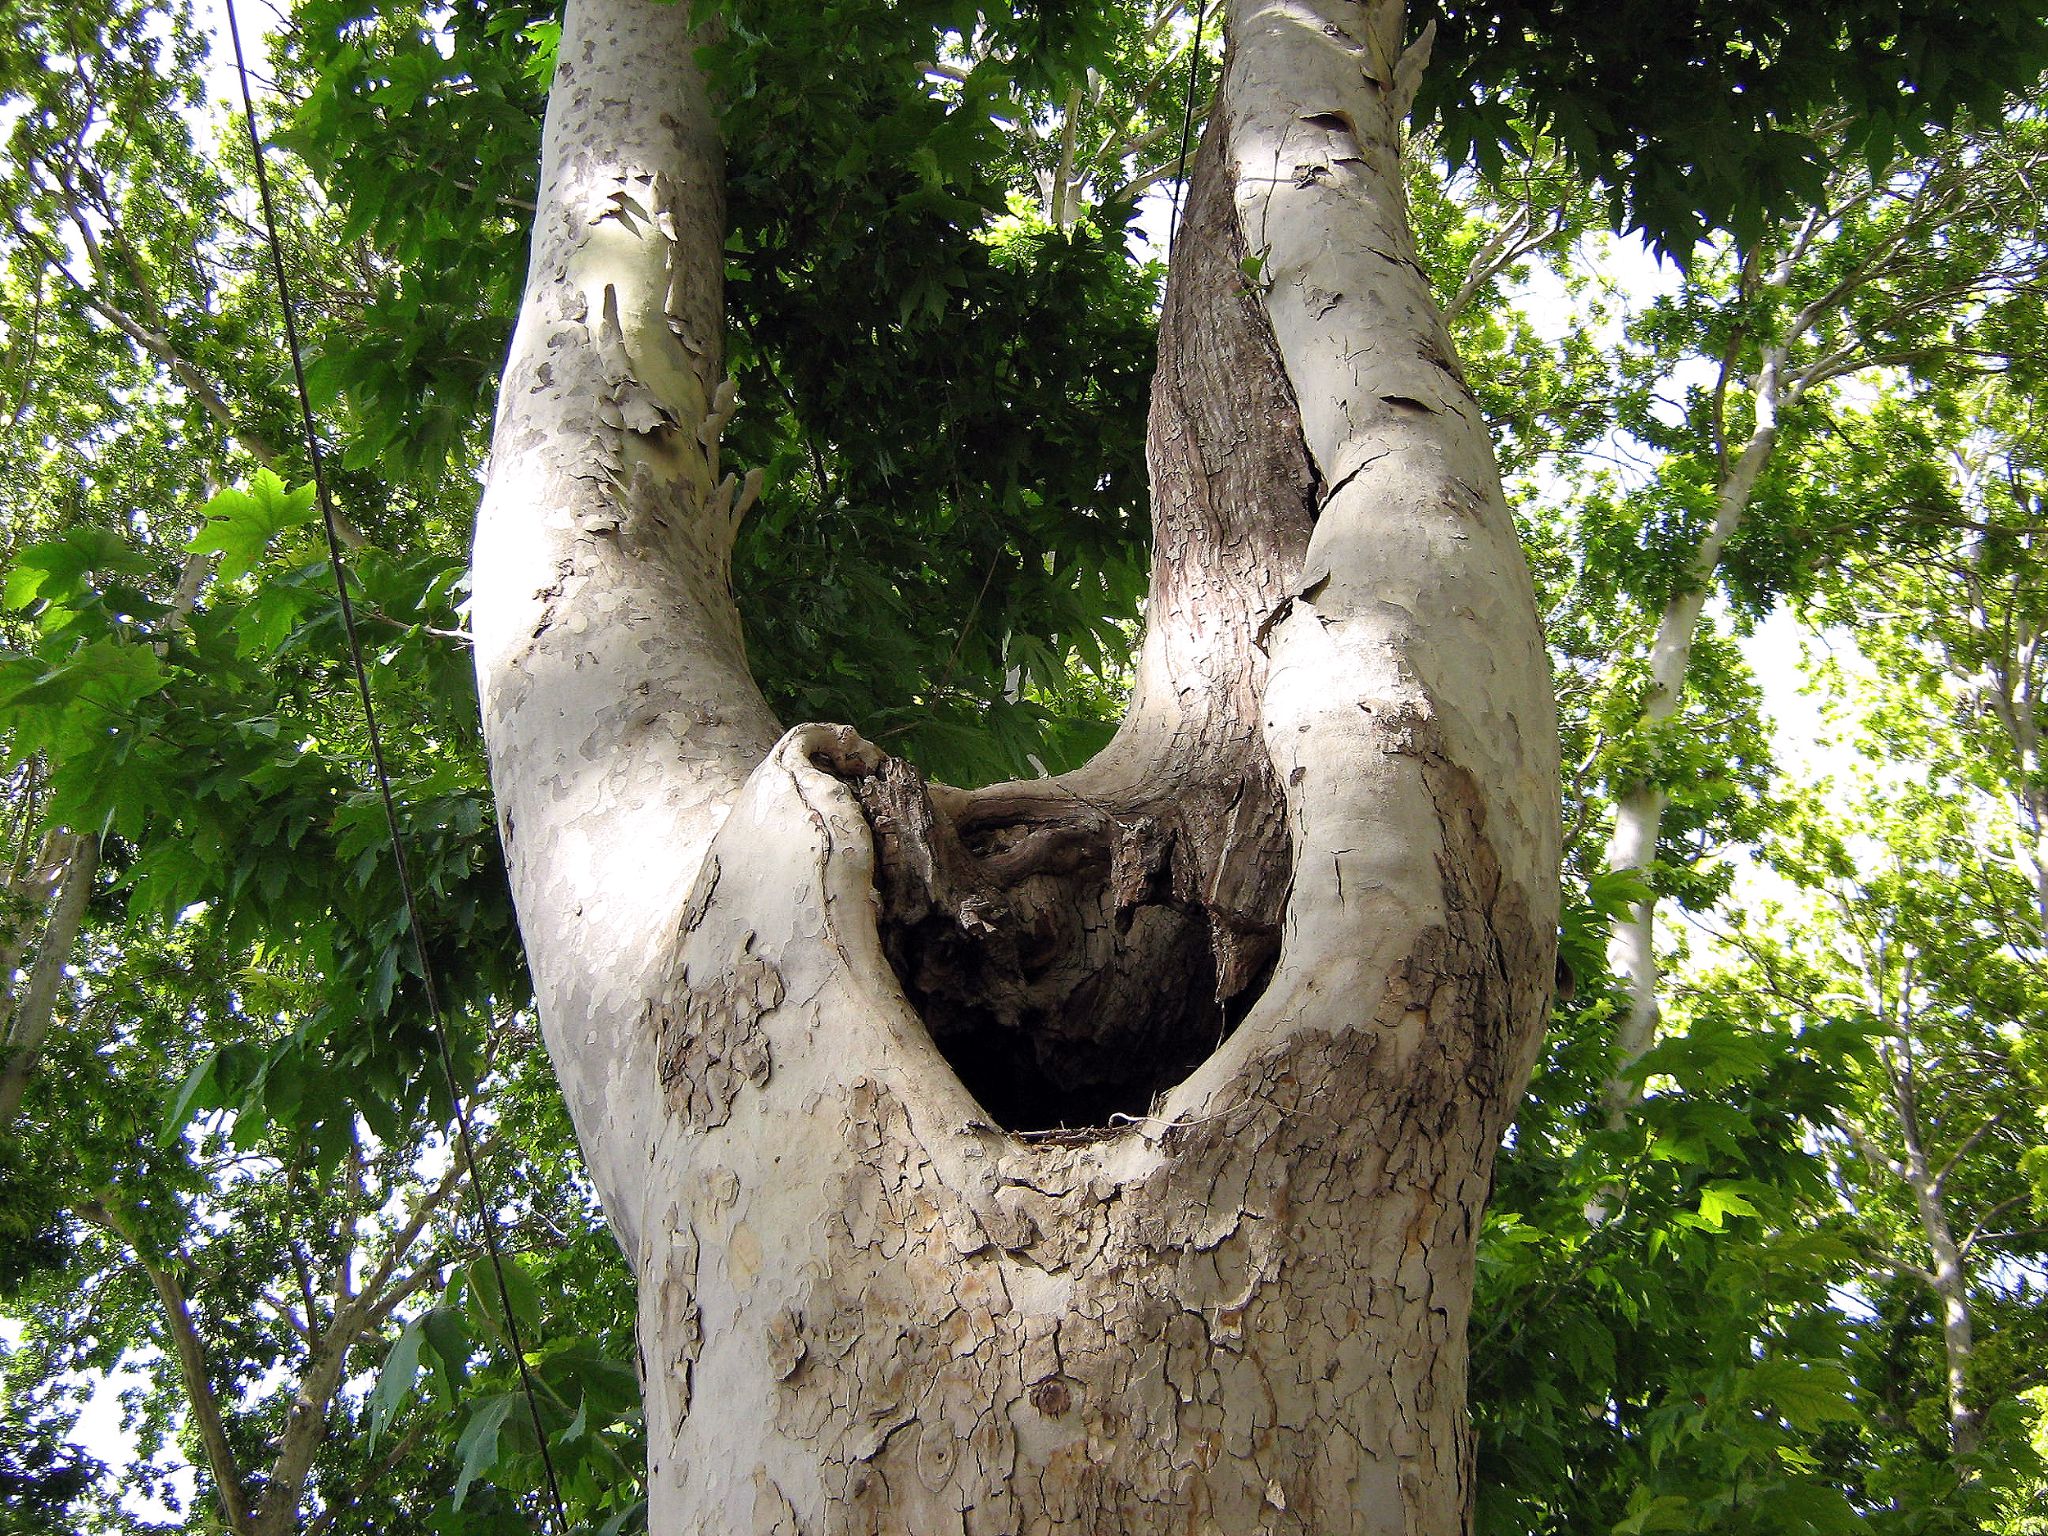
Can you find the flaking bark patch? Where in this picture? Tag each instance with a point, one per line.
(1264, 1332)
(712, 1045)
(1251, 1319)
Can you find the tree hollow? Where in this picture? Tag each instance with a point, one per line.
(1062, 952)
(1079, 945)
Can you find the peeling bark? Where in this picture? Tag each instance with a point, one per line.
(1327, 831)
(618, 709)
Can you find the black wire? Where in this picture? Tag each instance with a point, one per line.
(485, 1216)
(1187, 122)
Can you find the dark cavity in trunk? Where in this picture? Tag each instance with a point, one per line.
(1061, 955)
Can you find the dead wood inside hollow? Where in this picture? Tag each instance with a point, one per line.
(1061, 954)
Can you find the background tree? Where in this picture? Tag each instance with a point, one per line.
(1897, 266)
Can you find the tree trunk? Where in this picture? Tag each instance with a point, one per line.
(28, 1017)
(1952, 1289)
(1639, 814)
(1947, 1274)
(1277, 961)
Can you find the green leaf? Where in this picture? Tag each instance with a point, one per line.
(395, 1380)
(1810, 1507)
(1719, 1201)
(108, 673)
(199, 1089)
(489, 1300)
(477, 1448)
(56, 569)
(1806, 1394)
(1613, 891)
(241, 524)
(1666, 1512)
(449, 1339)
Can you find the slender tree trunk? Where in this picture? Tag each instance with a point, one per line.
(189, 1350)
(30, 1015)
(1639, 815)
(1952, 1292)
(1946, 1275)
(1278, 960)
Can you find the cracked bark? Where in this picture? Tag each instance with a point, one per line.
(1327, 830)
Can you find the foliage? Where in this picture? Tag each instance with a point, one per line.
(1707, 114)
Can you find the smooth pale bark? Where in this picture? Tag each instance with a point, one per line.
(29, 1016)
(1947, 1273)
(1639, 814)
(864, 1306)
(619, 712)
(1952, 1291)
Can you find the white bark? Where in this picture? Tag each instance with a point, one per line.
(1639, 815)
(28, 1017)
(864, 1306)
(1952, 1294)
(618, 708)
(1946, 1275)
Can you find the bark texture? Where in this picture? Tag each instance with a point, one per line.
(74, 863)
(1327, 831)
(618, 709)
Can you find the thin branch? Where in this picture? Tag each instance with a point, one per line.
(323, 1522)
(190, 1352)
(161, 347)
(1871, 1153)
(282, 1310)
(416, 1220)
(29, 1020)
(1977, 1228)
(1958, 1155)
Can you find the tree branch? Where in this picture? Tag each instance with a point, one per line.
(190, 1352)
(422, 1211)
(29, 1019)
(1978, 1228)
(1941, 1177)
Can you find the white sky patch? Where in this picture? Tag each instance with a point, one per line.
(1808, 732)
(258, 21)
